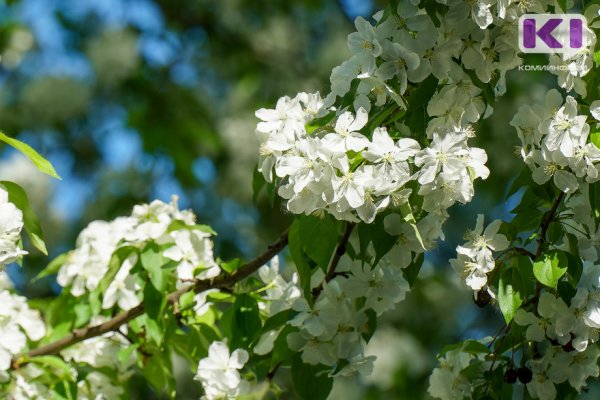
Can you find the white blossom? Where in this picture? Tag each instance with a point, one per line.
(219, 372)
(17, 323)
(11, 224)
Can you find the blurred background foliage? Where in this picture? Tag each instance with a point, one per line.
(139, 99)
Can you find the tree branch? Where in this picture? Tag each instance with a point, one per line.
(221, 281)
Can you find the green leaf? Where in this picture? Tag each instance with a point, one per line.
(154, 302)
(417, 117)
(319, 238)
(54, 365)
(555, 232)
(154, 330)
(124, 354)
(371, 326)
(563, 5)
(177, 225)
(95, 301)
(575, 265)
(205, 228)
(40, 162)
(566, 291)
(524, 179)
(509, 299)
(114, 265)
(53, 267)
(595, 138)
(475, 347)
(278, 320)
(230, 266)
(527, 221)
(412, 271)
(597, 57)
(421, 96)
(512, 341)
(83, 313)
(594, 196)
(18, 197)
(310, 381)
(153, 262)
(377, 120)
(406, 211)
(523, 279)
(258, 182)
(319, 122)
(548, 271)
(66, 390)
(191, 343)
(186, 300)
(158, 372)
(375, 233)
(468, 346)
(246, 323)
(281, 350)
(295, 246)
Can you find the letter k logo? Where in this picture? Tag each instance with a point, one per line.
(545, 33)
(552, 33)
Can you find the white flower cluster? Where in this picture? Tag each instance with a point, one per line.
(330, 325)
(18, 323)
(558, 366)
(98, 352)
(349, 175)
(28, 383)
(555, 142)
(279, 293)
(158, 222)
(475, 258)
(318, 171)
(407, 47)
(23, 386)
(219, 372)
(11, 224)
(570, 331)
(449, 381)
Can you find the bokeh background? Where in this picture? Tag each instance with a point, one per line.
(134, 100)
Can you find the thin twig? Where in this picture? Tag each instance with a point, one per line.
(546, 220)
(524, 252)
(339, 251)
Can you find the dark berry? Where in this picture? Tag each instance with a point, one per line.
(483, 298)
(510, 376)
(568, 347)
(524, 374)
